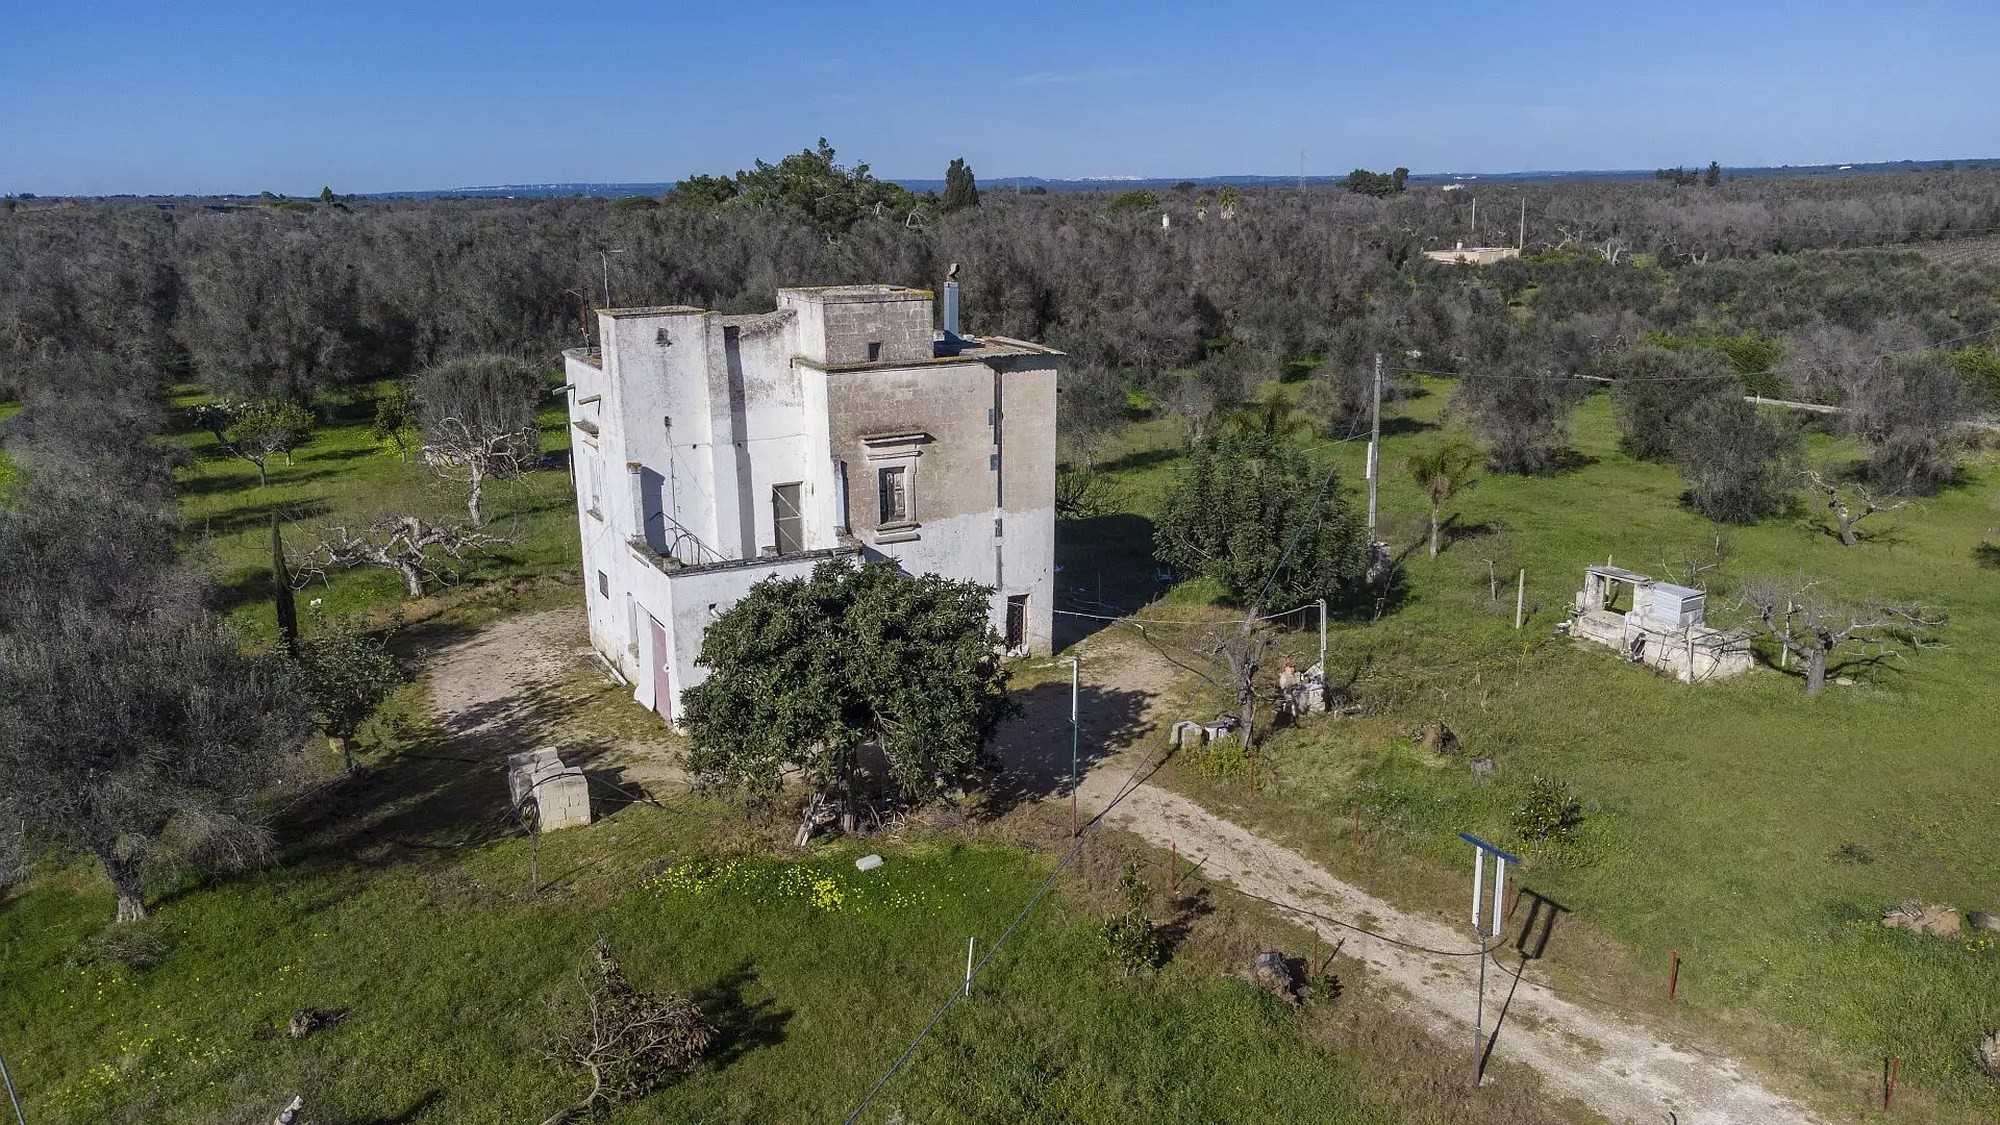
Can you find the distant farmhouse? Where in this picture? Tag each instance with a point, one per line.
(714, 450)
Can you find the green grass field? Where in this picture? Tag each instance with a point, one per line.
(344, 473)
(1755, 831)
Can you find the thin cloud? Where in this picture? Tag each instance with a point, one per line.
(1073, 77)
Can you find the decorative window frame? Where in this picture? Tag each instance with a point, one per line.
(896, 451)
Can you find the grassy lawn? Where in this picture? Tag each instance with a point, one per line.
(396, 901)
(1756, 832)
(345, 474)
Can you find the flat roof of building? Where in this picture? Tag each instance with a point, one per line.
(651, 310)
(857, 293)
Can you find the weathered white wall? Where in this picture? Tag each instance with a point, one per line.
(702, 415)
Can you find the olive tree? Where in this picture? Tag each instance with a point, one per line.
(257, 430)
(476, 416)
(140, 740)
(1739, 464)
(805, 672)
(345, 672)
(1815, 627)
(1521, 411)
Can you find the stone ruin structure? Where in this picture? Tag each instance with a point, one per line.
(1662, 629)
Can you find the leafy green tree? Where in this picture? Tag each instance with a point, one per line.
(259, 430)
(1378, 184)
(281, 591)
(1655, 386)
(345, 673)
(1739, 465)
(831, 196)
(1244, 502)
(703, 191)
(326, 193)
(961, 189)
(1713, 176)
(396, 418)
(1441, 474)
(804, 672)
(1138, 199)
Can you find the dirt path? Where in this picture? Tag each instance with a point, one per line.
(516, 685)
(1611, 1064)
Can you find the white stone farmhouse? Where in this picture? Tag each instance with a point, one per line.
(713, 450)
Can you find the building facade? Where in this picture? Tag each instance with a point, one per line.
(712, 451)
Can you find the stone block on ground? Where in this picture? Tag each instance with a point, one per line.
(557, 794)
(1923, 918)
(1983, 920)
(1281, 975)
(1989, 1053)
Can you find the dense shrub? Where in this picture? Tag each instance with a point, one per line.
(1549, 812)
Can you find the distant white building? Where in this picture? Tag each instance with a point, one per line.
(712, 451)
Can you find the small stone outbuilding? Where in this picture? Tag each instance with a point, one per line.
(1663, 628)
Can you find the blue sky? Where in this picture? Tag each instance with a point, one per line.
(365, 96)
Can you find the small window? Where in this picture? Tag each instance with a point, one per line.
(894, 486)
(992, 462)
(874, 350)
(1016, 637)
(603, 584)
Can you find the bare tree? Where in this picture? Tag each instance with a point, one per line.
(477, 418)
(1849, 503)
(412, 546)
(1815, 628)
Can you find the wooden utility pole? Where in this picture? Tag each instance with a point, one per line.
(1374, 452)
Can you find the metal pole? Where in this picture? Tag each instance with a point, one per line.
(604, 256)
(11, 1097)
(1479, 1015)
(1520, 596)
(969, 942)
(1074, 828)
(1322, 640)
(1374, 452)
(1521, 243)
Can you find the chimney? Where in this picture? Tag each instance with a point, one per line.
(951, 302)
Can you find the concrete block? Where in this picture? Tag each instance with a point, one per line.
(558, 794)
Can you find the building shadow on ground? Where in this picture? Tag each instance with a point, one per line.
(1031, 752)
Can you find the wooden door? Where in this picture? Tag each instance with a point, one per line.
(663, 696)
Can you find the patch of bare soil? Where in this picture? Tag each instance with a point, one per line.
(532, 681)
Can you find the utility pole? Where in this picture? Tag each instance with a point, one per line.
(1374, 452)
(1074, 828)
(605, 257)
(1521, 241)
(1475, 222)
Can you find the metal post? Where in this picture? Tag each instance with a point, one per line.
(969, 943)
(1322, 642)
(604, 257)
(1499, 891)
(12, 1099)
(1520, 596)
(1074, 827)
(1374, 453)
(1479, 1003)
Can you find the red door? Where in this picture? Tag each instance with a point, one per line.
(663, 696)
